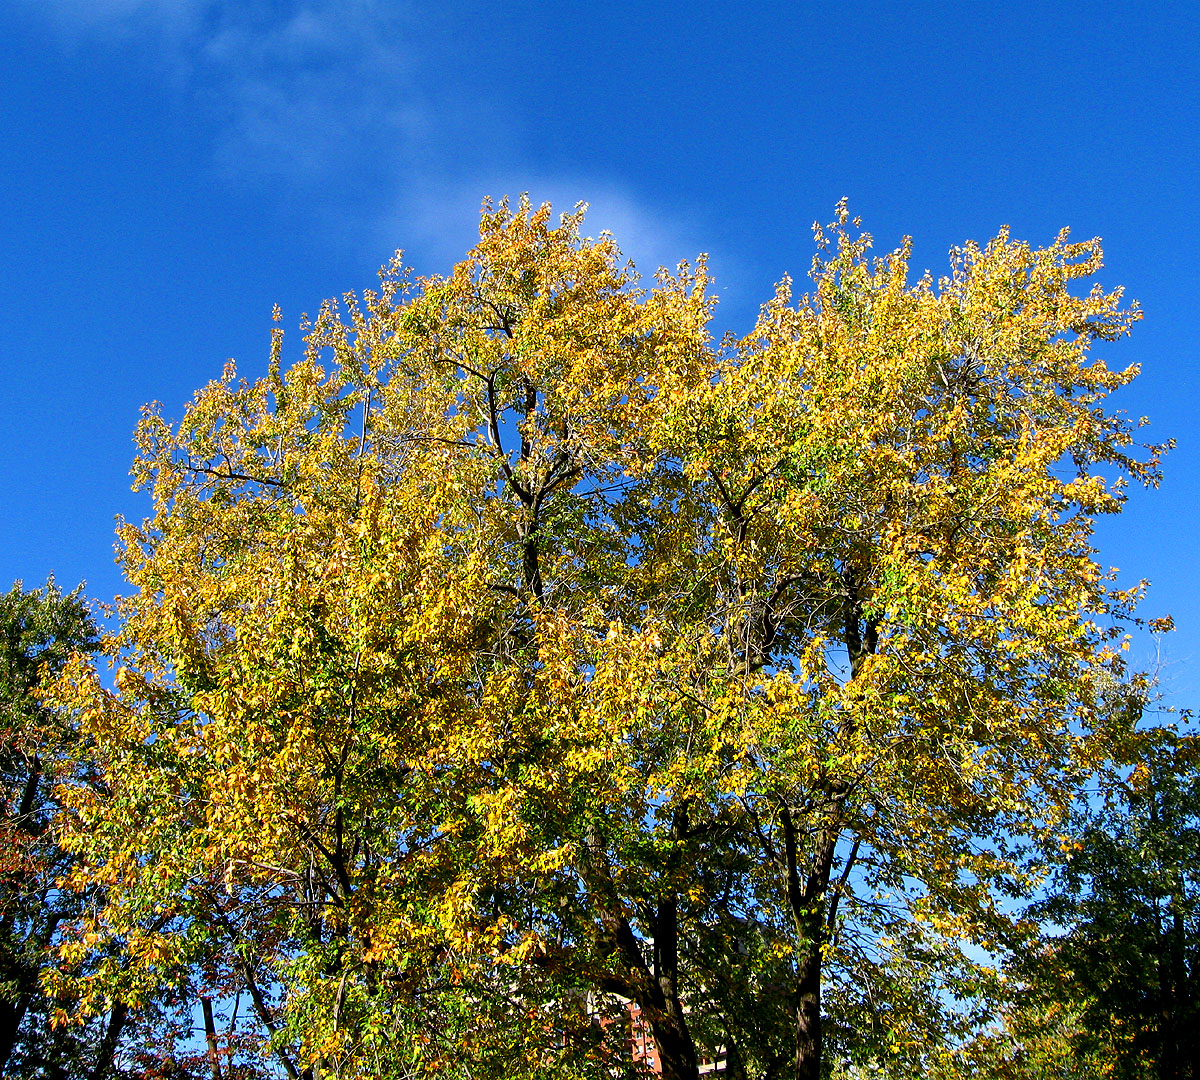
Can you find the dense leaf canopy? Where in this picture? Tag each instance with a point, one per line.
(39, 630)
(522, 650)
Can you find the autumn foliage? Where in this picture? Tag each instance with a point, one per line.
(522, 649)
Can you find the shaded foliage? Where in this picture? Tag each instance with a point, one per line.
(39, 631)
(1128, 898)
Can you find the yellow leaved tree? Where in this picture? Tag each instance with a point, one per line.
(522, 651)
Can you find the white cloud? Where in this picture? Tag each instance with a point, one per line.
(293, 91)
(326, 95)
(443, 218)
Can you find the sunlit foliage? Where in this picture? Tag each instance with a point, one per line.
(521, 649)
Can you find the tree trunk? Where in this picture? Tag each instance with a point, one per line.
(210, 1038)
(653, 986)
(808, 1017)
(11, 1015)
(676, 1048)
(673, 1042)
(108, 1045)
(808, 901)
(1173, 1061)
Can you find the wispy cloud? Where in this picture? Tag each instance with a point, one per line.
(327, 89)
(327, 96)
(295, 91)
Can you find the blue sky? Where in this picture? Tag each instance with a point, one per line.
(176, 167)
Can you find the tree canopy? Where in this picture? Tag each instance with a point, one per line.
(1126, 902)
(522, 649)
(39, 630)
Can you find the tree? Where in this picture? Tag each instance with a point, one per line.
(44, 759)
(521, 648)
(1128, 902)
(39, 630)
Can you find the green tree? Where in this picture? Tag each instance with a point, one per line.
(521, 649)
(39, 630)
(44, 757)
(1128, 899)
